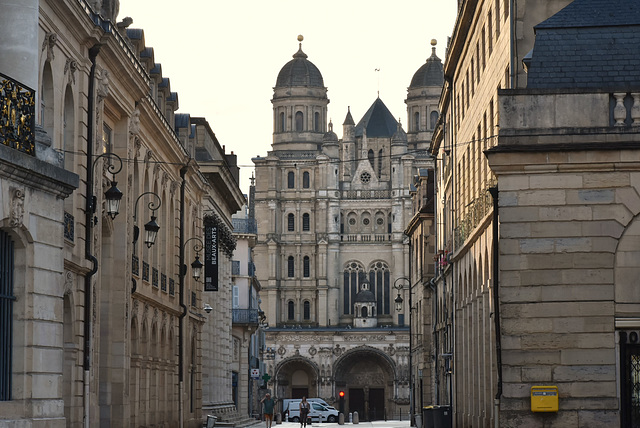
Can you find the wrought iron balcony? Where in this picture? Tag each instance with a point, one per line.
(475, 212)
(245, 316)
(17, 115)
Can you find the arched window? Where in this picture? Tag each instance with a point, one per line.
(46, 100)
(290, 310)
(370, 155)
(416, 121)
(291, 179)
(68, 127)
(316, 122)
(380, 285)
(353, 277)
(305, 222)
(365, 312)
(306, 267)
(291, 222)
(380, 163)
(307, 310)
(299, 121)
(281, 124)
(290, 267)
(433, 119)
(305, 179)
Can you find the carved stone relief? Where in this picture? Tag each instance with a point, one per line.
(17, 207)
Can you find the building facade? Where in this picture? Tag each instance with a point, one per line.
(107, 328)
(532, 264)
(331, 254)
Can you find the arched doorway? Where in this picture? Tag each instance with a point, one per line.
(367, 377)
(296, 377)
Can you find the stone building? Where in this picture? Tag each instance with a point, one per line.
(107, 328)
(536, 202)
(331, 245)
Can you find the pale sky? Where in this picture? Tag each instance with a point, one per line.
(223, 57)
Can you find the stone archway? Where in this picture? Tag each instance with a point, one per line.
(367, 377)
(296, 377)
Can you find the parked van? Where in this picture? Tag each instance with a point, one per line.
(286, 401)
(317, 412)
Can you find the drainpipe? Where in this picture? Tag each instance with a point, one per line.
(496, 303)
(183, 173)
(89, 213)
(512, 43)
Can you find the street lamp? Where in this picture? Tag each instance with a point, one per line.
(196, 266)
(151, 228)
(113, 196)
(399, 307)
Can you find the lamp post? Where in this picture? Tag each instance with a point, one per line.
(196, 265)
(113, 196)
(399, 301)
(151, 228)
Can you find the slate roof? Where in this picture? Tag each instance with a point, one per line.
(378, 121)
(588, 44)
(349, 119)
(430, 74)
(595, 13)
(300, 72)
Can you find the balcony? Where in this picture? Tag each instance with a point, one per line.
(245, 317)
(17, 115)
(244, 225)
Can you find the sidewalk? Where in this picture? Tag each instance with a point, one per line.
(374, 424)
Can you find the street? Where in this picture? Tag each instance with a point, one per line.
(376, 424)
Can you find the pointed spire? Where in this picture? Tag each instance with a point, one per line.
(349, 119)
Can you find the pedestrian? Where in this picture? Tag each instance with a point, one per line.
(304, 412)
(268, 405)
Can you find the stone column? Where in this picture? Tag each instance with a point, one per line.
(19, 35)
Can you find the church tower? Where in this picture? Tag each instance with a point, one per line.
(423, 95)
(331, 214)
(299, 105)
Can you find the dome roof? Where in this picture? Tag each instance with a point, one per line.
(300, 72)
(431, 73)
(365, 296)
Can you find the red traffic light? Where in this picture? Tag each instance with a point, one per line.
(341, 394)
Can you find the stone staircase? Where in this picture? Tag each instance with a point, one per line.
(228, 416)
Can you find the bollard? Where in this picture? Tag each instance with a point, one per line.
(356, 418)
(341, 419)
(350, 417)
(278, 418)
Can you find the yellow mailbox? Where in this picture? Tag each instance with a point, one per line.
(544, 398)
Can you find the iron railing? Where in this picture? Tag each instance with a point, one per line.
(17, 115)
(244, 225)
(474, 213)
(245, 316)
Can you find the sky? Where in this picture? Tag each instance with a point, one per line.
(223, 57)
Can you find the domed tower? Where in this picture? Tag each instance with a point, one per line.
(422, 101)
(299, 105)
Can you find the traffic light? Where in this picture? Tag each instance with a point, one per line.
(341, 395)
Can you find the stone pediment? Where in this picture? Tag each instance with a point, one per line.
(364, 177)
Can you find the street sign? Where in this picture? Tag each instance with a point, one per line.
(255, 373)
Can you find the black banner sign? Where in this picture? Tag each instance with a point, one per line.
(211, 258)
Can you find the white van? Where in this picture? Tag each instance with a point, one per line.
(286, 401)
(317, 412)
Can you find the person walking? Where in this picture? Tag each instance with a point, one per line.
(268, 404)
(304, 412)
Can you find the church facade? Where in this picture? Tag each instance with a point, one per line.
(332, 256)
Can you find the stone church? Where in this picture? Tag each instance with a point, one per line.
(332, 257)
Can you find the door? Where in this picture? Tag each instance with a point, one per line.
(630, 379)
(299, 392)
(376, 404)
(356, 402)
